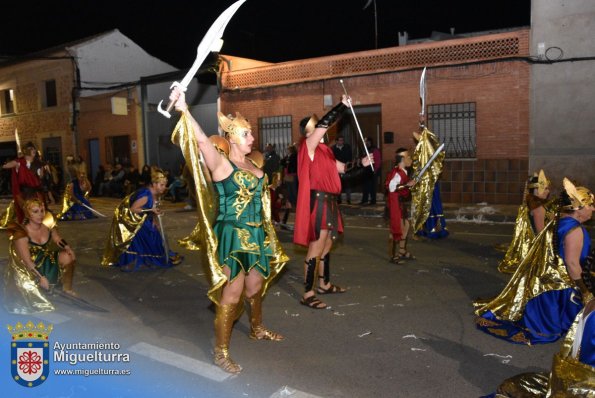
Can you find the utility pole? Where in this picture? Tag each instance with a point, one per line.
(375, 21)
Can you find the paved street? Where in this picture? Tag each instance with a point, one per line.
(399, 331)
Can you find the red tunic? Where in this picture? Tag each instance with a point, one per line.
(319, 174)
(395, 202)
(24, 177)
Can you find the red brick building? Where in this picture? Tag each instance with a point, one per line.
(477, 103)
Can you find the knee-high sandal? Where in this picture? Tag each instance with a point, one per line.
(311, 269)
(326, 277)
(224, 319)
(257, 330)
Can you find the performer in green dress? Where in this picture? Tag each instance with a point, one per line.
(38, 258)
(238, 237)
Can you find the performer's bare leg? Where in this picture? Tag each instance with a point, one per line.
(403, 253)
(315, 250)
(324, 274)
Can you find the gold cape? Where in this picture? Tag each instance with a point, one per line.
(421, 193)
(7, 215)
(68, 200)
(22, 294)
(568, 377)
(523, 236)
(540, 271)
(125, 225)
(203, 237)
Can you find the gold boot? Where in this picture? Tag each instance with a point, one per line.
(257, 330)
(66, 275)
(224, 320)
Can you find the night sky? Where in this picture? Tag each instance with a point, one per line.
(268, 30)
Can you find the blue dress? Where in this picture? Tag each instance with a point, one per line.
(587, 350)
(549, 315)
(146, 250)
(435, 225)
(78, 211)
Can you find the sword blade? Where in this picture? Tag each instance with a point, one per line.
(213, 34)
(93, 210)
(430, 161)
(78, 301)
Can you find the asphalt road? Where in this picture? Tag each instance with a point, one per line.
(399, 331)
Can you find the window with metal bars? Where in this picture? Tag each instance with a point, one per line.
(275, 130)
(454, 124)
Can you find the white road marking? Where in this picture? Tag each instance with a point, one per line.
(180, 361)
(287, 391)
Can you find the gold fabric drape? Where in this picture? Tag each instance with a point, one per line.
(421, 193)
(523, 235)
(22, 295)
(568, 376)
(7, 215)
(202, 236)
(540, 271)
(125, 225)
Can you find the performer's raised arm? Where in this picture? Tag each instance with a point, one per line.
(215, 161)
(320, 127)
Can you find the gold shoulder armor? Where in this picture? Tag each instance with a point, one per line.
(257, 158)
(220, 143)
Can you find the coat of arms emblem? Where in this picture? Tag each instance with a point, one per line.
(29, 353)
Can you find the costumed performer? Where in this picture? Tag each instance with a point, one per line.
(76, 194)
(426, 204)
(241, 247)
(38, 258)
(26, 179)
(137, 241)
(530, 221)
(318, 219)
(573, 368)
(543, 296)
(398, 185)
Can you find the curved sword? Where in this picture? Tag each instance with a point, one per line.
(422, 96)
(210, 42)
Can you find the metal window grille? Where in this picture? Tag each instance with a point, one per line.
(455, 125)
(275, 130)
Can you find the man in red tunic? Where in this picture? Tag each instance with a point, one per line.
(397, 185)
(318, 219)
(26, 180)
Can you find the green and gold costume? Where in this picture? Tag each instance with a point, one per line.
(236, 229)
(22, 295)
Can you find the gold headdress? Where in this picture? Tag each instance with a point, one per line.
(233, 126)
(579, 196)
(157, 175)
(541, 184)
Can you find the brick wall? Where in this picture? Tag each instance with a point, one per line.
(499, 90)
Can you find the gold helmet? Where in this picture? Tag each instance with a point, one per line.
(539, 181)
(579, 196)
(157, 175)
(233, 126)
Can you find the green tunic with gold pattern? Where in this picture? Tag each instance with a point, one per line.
(243, 244)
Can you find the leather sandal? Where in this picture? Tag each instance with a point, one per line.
(227, 364)
(405, 255)
(313, 302)
(332, 289)
(262, 333)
